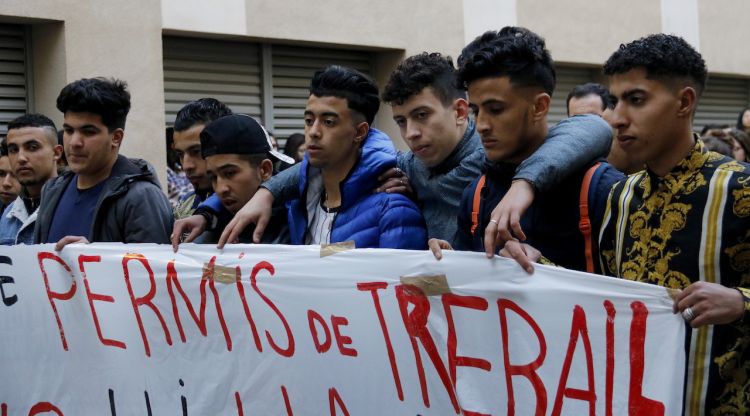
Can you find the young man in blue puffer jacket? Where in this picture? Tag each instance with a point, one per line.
(341, 167)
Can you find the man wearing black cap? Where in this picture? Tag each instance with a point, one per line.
(239, 157)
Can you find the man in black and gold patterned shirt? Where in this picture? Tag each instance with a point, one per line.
(684, 222)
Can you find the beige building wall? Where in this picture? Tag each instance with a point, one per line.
(725, 34)
(79, 38)
(587, 32)
(576, 31)
(393, 29)
(49, 68)
(100, 38)
(409, 26)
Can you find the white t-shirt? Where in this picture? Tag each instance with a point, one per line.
(320, 225)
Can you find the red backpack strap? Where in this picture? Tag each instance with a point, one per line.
(585, 223)
(477, 202)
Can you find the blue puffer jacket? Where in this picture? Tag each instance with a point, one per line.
(372, 220)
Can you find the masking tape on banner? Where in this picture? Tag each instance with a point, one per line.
(331, 249)
(221, 274)
(434, 285)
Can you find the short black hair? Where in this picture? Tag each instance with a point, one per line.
(589, 88)
(515, 52)
(708, 127)
(717, 144)
(63, 159)
(293, 142)
(36, 120)
(743, 139)
(359, 90)
(173, 159)
(418, 72)
(255, 159)
(202, 111)
(106, 97)
(32, 120)
(663, 57)
(739, 119)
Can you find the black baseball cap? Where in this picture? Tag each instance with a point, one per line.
(238, 134)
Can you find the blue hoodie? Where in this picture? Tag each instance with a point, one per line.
(372, 220)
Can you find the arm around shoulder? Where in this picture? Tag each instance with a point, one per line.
(284, 186)
(570, 146)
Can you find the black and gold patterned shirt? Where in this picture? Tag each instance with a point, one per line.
(691, 225)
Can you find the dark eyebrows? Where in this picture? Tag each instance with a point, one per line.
(492, 101)
(84, 127)
(227, 166)
(220, 170)
(330, 114)
(323, 114)
(30, 141)
(629, 93)
(418, 109)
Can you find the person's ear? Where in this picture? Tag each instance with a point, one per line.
(362, 129)
(58, 151)
(461, 108)
(117, 137)
(540, 106)
(688, 100)
(266, 169)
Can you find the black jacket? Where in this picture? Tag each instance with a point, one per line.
(550, 223)
(131, 208)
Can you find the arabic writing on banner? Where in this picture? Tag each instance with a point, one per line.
(139, 330)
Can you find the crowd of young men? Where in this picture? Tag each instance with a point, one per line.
(483, 173)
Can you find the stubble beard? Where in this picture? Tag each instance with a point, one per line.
(32, 182)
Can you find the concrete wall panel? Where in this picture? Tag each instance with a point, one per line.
(84, 38)
(102, 38)
(724, 35)
(587, 32)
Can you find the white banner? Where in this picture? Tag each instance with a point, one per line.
(112, 329)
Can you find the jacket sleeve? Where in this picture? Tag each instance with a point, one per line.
(599, 193)
(570, 146)
(212, 204)
(8, 226)
(284, 186)
(607, 231)
(148, 215)
(402, 225)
